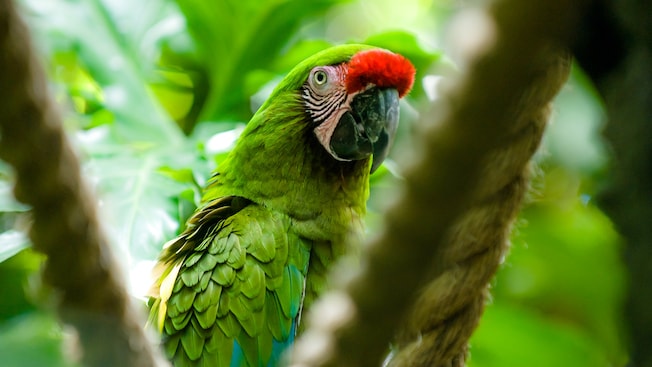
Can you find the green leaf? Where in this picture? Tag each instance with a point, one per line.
(140, 202)
(145, 194)
(113, 53)
(510, 336)
(298, 52)
(236, 37)
(18, 291)
(33, 339)
(11, 243)
(7, 201)
(574, 138)
(565, 262)
(407, 44)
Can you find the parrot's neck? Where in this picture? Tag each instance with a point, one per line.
(279, 164)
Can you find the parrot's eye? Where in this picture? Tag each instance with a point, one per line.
(324, 80)
(320, 77)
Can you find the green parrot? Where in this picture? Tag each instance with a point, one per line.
(277, 212)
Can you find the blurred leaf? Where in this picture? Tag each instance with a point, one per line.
(147, 194)
(15, 278)
(140, 202)
(573, 139)
(217, 140)
(33, 339)
(174, 92)
(7, 201)
(570, 269)
(113, 53)
(298, 52)
(234, 38)
(407, 44)
(11, 243)
(510, 336)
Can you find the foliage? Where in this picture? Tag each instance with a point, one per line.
(154, 94)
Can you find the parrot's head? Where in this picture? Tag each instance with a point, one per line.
(309, 149)
(350, 95)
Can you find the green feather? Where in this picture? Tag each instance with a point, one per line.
(181, 359)
(254, 284)
(171, 344)
(253, 325)
(236, 257)
(264, 250)
(265, 344)
(207, 318)
(253, 352)
(273, 283)
(192, 259)
(277, 324)
(229, 325)
(203, 282)
(290, 292)
(180, 302)
(209, 297)
(224, 306)
(240, 309)
(204, 333)
(181, 320)
(168, 326)
(207, 263)
(221, 346)
(190, 277)
(223, 275)
(192, 342)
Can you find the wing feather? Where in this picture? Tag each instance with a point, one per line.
(231, 286)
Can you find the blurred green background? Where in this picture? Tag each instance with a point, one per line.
(154, 93)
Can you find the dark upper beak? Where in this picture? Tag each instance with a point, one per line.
(369, 127)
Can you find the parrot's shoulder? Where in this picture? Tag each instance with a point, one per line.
(208, 217)
(231, 285)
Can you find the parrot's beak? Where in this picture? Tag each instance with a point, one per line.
(369, 128)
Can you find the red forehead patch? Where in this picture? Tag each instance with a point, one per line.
(381, 68)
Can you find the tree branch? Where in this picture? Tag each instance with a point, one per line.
(79, 265)
(452, 223)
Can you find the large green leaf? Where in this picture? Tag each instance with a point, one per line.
(139, 202)
(574, 137)
(142, 207)
(114, 44)
(11, 243)
(236, 37)
(565, 263)
(7, 201)
(514, 337)
(17, 277)
(147, 195)
(33, 339)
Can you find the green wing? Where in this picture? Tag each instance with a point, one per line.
(230, 287)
